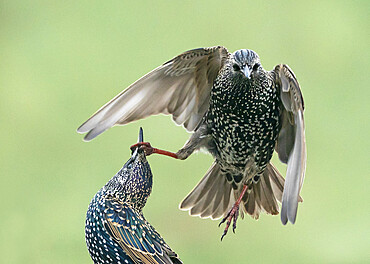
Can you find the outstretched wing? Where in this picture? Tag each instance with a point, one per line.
(180, 87)
(291, 144)
(136, 236)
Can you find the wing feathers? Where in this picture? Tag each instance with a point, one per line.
(180, 87)
(285, 142)
(295, 174)
(291, 145)
(142, 243)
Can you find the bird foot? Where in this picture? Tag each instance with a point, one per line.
(232, 215)
(149, 150)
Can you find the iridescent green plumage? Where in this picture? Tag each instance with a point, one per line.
(116, 230)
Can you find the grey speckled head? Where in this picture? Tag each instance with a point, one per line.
(246, 57)
(246, 60)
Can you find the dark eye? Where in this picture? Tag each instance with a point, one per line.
(256, 66)
(236, 67)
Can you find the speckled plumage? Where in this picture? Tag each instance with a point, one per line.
(238, 112)
(244, 121)
(116, 230)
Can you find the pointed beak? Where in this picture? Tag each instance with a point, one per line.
(141, 135)
(246, 72)
(136, 150)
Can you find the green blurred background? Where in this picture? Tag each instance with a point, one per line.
(62, 60)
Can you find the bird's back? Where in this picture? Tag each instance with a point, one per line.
(101, 246)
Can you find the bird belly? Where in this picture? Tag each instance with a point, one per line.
(239, 138)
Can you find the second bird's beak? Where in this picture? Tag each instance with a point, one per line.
(136, 152)
(246, 71)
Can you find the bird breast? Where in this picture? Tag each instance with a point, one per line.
(244, 120)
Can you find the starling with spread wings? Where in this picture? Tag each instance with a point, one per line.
(238, 112)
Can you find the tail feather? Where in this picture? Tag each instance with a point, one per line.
(204, 200)
(257, 194)
(203, 186)
(209, 198)
(213, 196)
(277, 182)
(223, 201)
(208, 209)
(226, 202)
(265, 194)
(268, 199)
(219, 198)
(249, 204)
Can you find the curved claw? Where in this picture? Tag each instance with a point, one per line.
(232, 215)
(235, 218)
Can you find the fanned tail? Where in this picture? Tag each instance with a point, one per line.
(213, 196)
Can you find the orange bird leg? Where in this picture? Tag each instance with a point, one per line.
(233, 213)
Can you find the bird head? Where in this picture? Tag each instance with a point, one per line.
(133, 183)
(137, 166)
(246, 61)
(138, 153)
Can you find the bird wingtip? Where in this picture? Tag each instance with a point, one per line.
(86, 139)
(288, 213)
(284, 219)
(83, 128)
(183, 207)
(292, 215)
(79, 130)
(93, 133)
(283, 213)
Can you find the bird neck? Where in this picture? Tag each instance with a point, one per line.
(131, 186)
